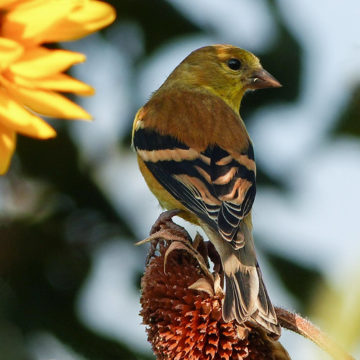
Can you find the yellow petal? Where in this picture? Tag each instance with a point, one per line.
(7, 147)
(30, 20)
(16, 118)
(92, 16)
(41, 62)
(6, 3)
(65, 83)
(39, 21)
(58, 82)
(48, 103)
(10, 51)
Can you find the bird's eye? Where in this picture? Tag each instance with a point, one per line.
(234, 64)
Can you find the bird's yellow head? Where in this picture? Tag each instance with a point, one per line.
(224, 70)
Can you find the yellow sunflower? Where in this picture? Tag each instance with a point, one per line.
(31, 75)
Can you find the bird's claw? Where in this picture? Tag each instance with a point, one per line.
(163, 219)
(166, 229)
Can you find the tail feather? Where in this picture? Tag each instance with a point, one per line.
(246, 297)
(235, 294)
(266, 309)
(244, 303)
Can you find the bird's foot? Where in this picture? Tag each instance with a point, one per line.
(163, 219)
(164, 229)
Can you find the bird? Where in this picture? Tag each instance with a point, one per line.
(196, 156)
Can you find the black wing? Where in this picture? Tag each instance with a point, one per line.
(217, 186)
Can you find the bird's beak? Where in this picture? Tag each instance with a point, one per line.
(261, 79)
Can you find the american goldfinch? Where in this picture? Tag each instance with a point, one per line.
(196, 156)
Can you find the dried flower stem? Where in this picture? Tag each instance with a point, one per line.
(301, 326)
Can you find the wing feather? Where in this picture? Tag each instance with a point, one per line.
(217, 186)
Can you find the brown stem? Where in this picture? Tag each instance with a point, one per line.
(296, 323)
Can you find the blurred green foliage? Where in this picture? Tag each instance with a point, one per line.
(43, 264)
(349, 122)
(299, 280)
(159, 20)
